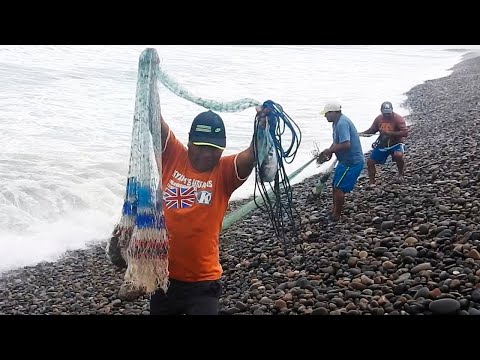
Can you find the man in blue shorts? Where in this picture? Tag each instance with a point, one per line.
(391, 142)
(348, 150)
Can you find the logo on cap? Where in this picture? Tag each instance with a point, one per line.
(203, 128)
(386, 107)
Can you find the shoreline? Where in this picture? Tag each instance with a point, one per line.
(399, 249)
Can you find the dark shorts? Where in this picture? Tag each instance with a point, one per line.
(345, 177)
(189, 298)
(380, 155)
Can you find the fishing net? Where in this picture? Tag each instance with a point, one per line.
(140, 237)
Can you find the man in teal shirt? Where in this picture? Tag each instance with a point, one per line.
(348, 150)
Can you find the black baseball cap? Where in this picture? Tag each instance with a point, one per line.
(208, 129)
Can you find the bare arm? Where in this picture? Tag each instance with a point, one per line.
(165, 131)
(371, 130)
(245, 162)
(159, 148)
(334, 148)
(402, 129)
(340, 147)
(246, 159)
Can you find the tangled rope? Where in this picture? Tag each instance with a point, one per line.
(319, 156)
(278, 198)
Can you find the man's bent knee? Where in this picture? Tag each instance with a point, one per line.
(397, 156)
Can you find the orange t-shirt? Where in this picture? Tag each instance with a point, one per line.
(194, 204)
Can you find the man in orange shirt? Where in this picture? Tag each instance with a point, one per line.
(391, 142)
(197, 184)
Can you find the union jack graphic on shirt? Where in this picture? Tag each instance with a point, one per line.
(179, 198)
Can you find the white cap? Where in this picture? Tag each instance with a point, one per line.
(331, 106)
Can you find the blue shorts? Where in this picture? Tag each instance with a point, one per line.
(380, 155)
(345, 177)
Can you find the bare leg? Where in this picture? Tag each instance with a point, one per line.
(400, 161)
(333, 202)
(338, 200)
(371, 171)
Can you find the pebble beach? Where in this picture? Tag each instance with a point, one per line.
(409, 248)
